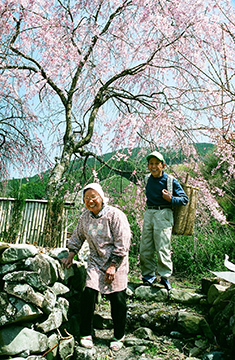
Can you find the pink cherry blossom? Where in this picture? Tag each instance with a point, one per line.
(107, 75)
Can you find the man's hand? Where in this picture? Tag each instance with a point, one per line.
(67, 262)
(166, 195)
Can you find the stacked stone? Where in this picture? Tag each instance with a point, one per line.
(40, 303)
(222, 314)
(216, 326)
(34, 305)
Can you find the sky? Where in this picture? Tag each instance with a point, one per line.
(51, 153)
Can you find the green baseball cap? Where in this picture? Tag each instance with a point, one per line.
(157, 155)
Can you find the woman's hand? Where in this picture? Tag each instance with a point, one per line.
(110, 273)
(67, 262)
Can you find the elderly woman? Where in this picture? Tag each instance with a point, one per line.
(107, 231)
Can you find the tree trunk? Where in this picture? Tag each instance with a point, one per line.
(60, 168)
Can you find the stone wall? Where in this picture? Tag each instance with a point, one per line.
(36, 298)
(208, 314)
(221, 299)
(39, 307)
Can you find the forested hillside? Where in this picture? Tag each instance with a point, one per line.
(81, 171)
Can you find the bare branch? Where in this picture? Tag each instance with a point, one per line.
(3, 140)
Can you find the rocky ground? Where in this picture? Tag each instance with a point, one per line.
(148, 345)
(161, 348)
(39, 314)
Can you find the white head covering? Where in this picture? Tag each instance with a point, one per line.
(97, 188)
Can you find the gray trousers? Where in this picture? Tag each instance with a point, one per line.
(156, 238)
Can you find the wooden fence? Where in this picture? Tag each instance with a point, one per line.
(32, 221)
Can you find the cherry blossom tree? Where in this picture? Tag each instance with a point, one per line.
(20, 145)
(122, 73)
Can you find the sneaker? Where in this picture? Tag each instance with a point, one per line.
(165, 282)
(116, 345)
(148, 279)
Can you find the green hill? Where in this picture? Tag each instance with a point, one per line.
(35, 187)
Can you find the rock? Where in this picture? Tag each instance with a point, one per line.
(59, 253)
(44, 266)
(206, 284)
(185, 297)
(24, 311)
(3, 246)
(216, 355)
(140, 349)
(194, 352)
(15, 340)
(53, 321)
(59, 288)
(150, 293)
(188, 323)
(25, 292)
(176, 334)
(214, 291)
(31, 357)
(7, 268)
(49, 300)
(17, 252)
(84, 354)
(56, 269)
(133, 341)
(31, 278)
(144, 333)
(66, 348)
(206, 329)
(201, 344)
(154, 317)
(224, 297)
(63, 305)
(53, 342)
(7, 310)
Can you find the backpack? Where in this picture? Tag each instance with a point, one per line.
(184, 215)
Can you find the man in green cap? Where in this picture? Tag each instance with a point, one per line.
(158, 222)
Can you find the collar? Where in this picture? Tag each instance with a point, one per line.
(102, 212)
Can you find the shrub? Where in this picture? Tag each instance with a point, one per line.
(193, 256)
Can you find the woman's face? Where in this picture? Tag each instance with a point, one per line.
(93, 201)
